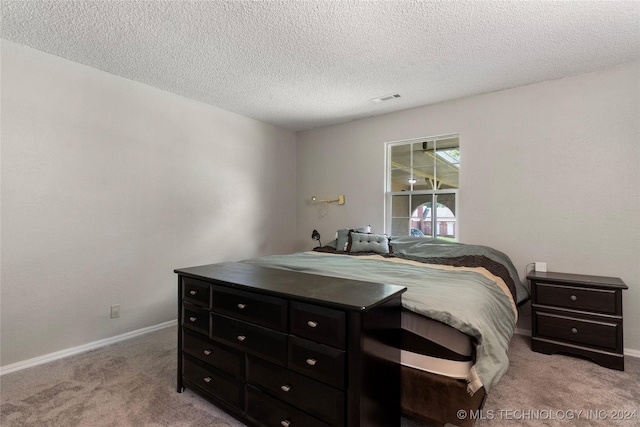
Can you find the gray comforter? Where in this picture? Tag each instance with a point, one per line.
(470, 299)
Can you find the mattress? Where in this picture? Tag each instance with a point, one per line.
(432, 346)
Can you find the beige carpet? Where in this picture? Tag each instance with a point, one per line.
(132, 383)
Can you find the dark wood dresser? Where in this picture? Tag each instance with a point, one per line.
(578, 314)
(285, 349)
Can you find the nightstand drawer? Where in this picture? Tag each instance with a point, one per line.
(317, 361)
(602, 334)
(317, 323)
(266, 343)
(318, 399)
(214, 354)
(264, 310)
(577, 298)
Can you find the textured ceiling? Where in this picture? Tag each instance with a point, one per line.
(302, 65)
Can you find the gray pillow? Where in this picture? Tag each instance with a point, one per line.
(342, 237)
(362, 242)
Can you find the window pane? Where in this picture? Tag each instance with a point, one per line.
(445, 216)
(400, 206)
(400, 215)
(400, 227)
(422, 158)
(400, 167)
(448, 164)
(425, 178)
(421, 215)
(400, 179)
(447, 178)
(419, 199)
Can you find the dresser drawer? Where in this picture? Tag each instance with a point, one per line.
(196, 291)
(263, 310)
(262, 342)
(272, 412)
(214, 354)
(317, 361)
(318, 399)
(577, 298)
(602, 334)
(195, 318)
(317, 323)
(213, 381)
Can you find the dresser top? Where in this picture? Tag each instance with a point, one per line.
(335, 291)
(579, 279)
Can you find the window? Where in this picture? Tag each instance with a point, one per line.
(422, 187)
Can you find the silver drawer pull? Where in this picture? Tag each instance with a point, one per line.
(285, 388)
(207, 352)
(285, 423)
(193, 292)
(207, 379)
(241, 338)
(242, 306)
(311, 362)
(193, 318)
(573, 298)
(312, 324)
(574, 330)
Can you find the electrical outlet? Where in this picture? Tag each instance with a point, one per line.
(115, 311)
(541, 266)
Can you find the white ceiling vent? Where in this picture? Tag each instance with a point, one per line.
(386, 98)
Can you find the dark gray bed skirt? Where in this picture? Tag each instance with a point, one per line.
(438, 399)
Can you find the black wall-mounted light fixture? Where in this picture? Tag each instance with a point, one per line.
(316, 236)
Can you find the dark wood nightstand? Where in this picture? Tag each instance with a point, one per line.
(579, 315)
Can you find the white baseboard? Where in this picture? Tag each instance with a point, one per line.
(631, 352)
(82, 348)
(627, 351)
(101, 343)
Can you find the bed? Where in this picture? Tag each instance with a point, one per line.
(459, 313)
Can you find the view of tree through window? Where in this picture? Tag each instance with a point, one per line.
(422, 174)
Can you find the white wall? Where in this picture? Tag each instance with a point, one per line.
(109, 185)
(550, 172)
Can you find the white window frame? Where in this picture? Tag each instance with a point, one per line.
(388, 218)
